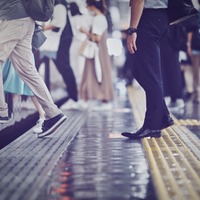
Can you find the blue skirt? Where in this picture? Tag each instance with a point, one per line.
(12, 82)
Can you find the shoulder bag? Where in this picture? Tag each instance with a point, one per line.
(180, 10)
(88, 49)
(38, 38)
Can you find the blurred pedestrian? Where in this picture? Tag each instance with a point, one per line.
(193, 49)
(77, 61)
(58, 29)
(62, 60)
(171, 71)
(13, 84)
(91, 89)
(148, 23)
(15, 42)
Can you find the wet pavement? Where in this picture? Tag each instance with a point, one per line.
(88, 159)
(191, 111)
(100, 165)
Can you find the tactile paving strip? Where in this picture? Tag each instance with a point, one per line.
(27, 162)
(174, 166)
(187, 122)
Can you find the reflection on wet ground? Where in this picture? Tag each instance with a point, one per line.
(100, 164)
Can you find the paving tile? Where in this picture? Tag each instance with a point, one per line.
(97, 166)
(27, 162)
(89, 159)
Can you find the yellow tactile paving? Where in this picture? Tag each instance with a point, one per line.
(184, 130)
(188, 122)
(174, 167)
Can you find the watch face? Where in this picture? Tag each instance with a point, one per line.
(131, 30)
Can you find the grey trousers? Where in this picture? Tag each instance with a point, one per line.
(15, 43)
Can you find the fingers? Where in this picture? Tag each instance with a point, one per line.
(131, 44)
(132, 48)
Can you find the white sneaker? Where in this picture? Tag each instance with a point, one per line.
(82, 105)
(38, 127)
(70, 104)
(103, 107)
(178, 104)
(4, 120)
(107, 106)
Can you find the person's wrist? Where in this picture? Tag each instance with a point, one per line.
(131, 30)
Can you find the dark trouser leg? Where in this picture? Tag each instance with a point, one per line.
(171, 70)
(148, 66)
(63, 65)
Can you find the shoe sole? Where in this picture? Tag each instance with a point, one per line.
(153, 136)
(37, 132)
(3, 122)
(53, 128)
(132, 137)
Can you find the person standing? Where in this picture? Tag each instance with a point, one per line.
(14, 85)
(90, 88)
(58, 29)
(171, 70)
(148, 23)
(77, 61)
(15, 43)
(193, 50)
(62, 60)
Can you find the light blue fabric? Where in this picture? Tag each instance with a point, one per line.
(12, 82)
(49, 54)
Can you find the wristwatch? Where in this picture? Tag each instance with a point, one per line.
(130, 30)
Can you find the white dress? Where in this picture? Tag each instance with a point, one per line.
(90, 88)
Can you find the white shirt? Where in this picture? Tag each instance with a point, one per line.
(78, 21)
(99, 25)
(58, 20)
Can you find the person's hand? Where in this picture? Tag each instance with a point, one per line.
(131, 43)
(82, 30)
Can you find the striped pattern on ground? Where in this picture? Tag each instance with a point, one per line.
(174, 164)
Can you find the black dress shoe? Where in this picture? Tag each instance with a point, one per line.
(167, 122)
(142, 133)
